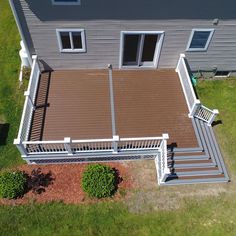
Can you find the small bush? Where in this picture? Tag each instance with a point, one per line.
(99, 181)
(12, 184)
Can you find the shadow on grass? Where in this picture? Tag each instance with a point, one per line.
(39, 181)
(4, 129)
(217, 122)
(118, 179)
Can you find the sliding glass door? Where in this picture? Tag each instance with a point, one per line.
(141, 49)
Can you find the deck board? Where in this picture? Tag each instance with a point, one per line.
(147, 103)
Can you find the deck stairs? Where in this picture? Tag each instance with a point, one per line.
(202, 164)
(197, 165)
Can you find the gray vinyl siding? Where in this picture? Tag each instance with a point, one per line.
(103, 41)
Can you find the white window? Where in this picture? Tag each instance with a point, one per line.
(66, 2)
(199, 39)
(71, 40)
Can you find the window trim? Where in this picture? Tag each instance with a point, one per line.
(188, 49)
(66, 3)
(70, 31)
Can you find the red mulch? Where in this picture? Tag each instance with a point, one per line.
(64, 184)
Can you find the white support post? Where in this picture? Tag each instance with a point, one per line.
(21, 147)
(165, 154)
(194, 108)
(213, 116)
(67, 145)
(180, 58)
(115, 141)
(27, 94)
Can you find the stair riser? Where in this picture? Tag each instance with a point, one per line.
(194, 165)
(185, 158)
(196, 181)
(196, 173)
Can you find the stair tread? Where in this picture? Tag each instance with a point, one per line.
(189, 161)
(195, 169)
(189, 153)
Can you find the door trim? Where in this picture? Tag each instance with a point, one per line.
(157, 51)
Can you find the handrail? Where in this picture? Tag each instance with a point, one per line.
(28, 108)
(186, 83)
(196, 109)
(113, 145)
(141, 138)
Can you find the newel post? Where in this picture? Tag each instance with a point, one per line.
(213, 116)
(27, 94)
(67, 144)
(21, 147)
(196, 104)
(115, 141)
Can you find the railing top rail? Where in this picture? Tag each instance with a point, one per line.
(141, 138)
(206, 108)
(32, 72)
(44, 142)
(189, 80)
(22, 117)
(92, 140)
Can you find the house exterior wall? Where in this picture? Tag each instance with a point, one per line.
(103, 26)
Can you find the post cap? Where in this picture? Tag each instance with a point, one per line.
(67, 139)
(34, 57)
(182, 55)
(16, 141)
(216, 111)
(165, 136)
(116, 138)
(109, 66)
(198, 101)
(27, 93)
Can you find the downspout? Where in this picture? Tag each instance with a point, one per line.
(20, 31)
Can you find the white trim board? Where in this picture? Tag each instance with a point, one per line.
(188, 49)
(70, 31)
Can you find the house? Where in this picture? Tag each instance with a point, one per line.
(111, 80)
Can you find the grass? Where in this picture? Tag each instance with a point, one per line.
(220, 94)
(11, 97)
(209, 215)
(114, 219)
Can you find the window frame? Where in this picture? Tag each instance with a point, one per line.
(188, 49)
(66, 3)
(70, 31)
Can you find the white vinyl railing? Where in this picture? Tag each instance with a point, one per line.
(30, 96)
(161, 161)
(196, 109)
(74, 147)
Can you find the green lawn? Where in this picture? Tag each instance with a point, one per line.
(210, 214)
(221, 94)
(11, 97)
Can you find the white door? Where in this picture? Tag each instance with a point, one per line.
(141, 49)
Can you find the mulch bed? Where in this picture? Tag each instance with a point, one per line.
(63, 183)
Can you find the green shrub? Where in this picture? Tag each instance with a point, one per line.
(99, 181)
(12, 184)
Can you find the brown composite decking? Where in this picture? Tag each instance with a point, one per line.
(76, 104)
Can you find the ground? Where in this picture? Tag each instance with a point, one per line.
(147, 209)
(63, 183)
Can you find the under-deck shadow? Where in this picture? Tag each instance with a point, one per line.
(41, 105)
(4, 129)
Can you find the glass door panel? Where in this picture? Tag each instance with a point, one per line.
(131, 49)
(149, 48)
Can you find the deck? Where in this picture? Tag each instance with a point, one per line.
(76, 104)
